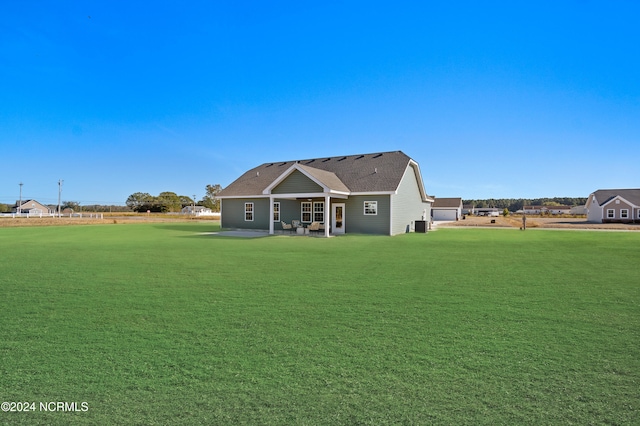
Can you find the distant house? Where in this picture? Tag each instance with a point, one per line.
(468, 209)
(545, 210)
(380, 193)
(197, 211)
(31, 207)
(578, 210)
(446, 208)
(488, 211)
(531, 209)
(557, 209)
(613, 205)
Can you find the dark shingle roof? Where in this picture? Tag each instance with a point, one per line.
(447, 202)
(631, 195)
(378, 172)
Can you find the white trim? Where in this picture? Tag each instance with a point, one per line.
(423, 192)
(253, 211)
(313, 211)
(333, 218)
(242, 196)
(273, 206)
(271, 228)
(391, 198)
(327, 223)
(302, 212)
(295, 195)
(290, 170)
(364, 208)
(374, 193)
(618, 198)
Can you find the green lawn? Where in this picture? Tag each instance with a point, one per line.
(157, 324)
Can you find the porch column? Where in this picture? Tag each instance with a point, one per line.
(270, 214)
(327, 215)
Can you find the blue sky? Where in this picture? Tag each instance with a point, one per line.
(493, 99)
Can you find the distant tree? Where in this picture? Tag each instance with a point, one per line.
(5, 208)
(140, 202)
(186, 201)
(169, 202)
(505, 212)
(210, 200)
(73, 205)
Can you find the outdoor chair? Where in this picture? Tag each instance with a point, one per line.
(296, 224)
(314, 227)
(286, 226)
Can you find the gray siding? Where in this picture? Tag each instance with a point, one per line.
(357, 222)
(233, 213)
(296, 182)
(289, 210)
(408, 205)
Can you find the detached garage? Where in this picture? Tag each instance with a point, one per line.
(446, 209)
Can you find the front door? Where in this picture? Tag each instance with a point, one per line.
(337, 218)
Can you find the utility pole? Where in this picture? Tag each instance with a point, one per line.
(194, 204)
(59, 195)
(20, 202)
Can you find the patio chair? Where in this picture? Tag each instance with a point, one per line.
(286, 226)
(314, 227)
(296, 224)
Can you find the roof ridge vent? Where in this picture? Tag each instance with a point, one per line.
(362, 156)
(324, 161)
(377, 155)
(343, 158)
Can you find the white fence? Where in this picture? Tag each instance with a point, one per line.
(41, 215)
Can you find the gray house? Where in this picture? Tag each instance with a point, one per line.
(380, 193)
(613, 205)
(446, 208)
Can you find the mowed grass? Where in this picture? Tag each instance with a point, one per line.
(158, 324)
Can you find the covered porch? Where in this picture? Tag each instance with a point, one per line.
(308, 196)
(310, 214)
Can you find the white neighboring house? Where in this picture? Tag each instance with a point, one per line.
(198, 211)
(446, 209)
(578, 210)
(488, 211)
(613, 205)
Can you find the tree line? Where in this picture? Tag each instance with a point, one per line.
(515, 204)
(167, 202)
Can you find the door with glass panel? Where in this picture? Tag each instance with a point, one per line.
(337, 218)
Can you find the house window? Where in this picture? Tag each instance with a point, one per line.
(611, 214)
(305, 211)
(371, 208)
(624, 214)
(248, 212)
(318, 212)
(276, 212)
